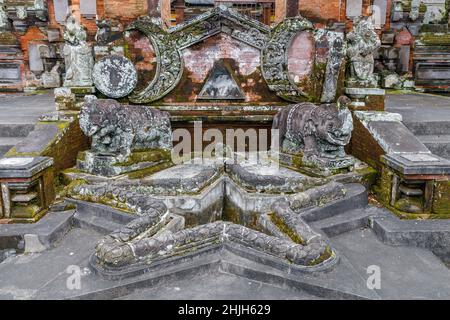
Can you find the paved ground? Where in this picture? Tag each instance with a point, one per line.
(218, 287)
(406, 273)
(419, 107)
(23, 108)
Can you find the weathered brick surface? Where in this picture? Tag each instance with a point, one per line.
(364, 146)
(242, 61)
(125, 9)
(65, 151)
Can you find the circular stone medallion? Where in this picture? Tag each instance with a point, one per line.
(115, 76)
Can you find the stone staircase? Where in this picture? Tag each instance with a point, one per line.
(337, 217)
(434, 134)
(12, 133)
(99, 218)
(343, 215)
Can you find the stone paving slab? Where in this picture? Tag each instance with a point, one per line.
(418, 107)
(271, 178)
(184, 178)
(25, 275)
(406, 272)
(218, 286)
(23, 108)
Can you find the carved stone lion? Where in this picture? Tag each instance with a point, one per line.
(119, 130)
(316, 131)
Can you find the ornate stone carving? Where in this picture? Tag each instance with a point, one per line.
(336, 60)
(115, 76)
(5, 24)
(273, 44)
(361, 44)
(274, 58)
(170, 65)
(128, 247)
(318, 132)
(168, 44)
(78, 55)
(119, 130)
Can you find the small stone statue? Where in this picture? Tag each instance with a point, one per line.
(78, 55)
(5, 24)
(22, 12)
(318, 132)
(361, 44)
(103, 31)
(118, 130)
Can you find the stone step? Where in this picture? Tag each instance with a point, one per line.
(12, 130)
(7, 143)
(356, 198)
(438, 144)
(344, 222)
(429, 127)
(93, 222)
(98, 217)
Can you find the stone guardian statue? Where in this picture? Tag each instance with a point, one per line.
(5, 24)
(78, 55)
(362, 41)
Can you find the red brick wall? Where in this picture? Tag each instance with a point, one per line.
(243, 62)
(64, 151)
(125, 9)
(322, 11)
(364, 146)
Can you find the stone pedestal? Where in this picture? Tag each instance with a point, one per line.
(413, 179)
(316, 166)
(366, 99)
(115, 165)
(26, 188)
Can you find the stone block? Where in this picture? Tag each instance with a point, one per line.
(387, 37)
(354, 8)
(65, 99)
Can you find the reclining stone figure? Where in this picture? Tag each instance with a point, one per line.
(318, 132)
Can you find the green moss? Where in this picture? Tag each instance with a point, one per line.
(68, 191)
(383, 189)
(145, 156)
(286, 229)
(441, 202)
(139, 174)
(369, 176)
(327, 254)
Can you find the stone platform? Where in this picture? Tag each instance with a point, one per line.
(427, 116)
